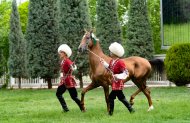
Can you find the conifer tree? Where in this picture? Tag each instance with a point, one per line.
(43, 40)
(139, 36)
(108, 28)
(16, 46)
(74, 18)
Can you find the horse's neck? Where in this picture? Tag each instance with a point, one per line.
(95, 55)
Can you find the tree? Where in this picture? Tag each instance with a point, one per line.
(139, 36)
(108, 26)
(92, 11)
(122, 13)
(43, 40)
(16, 46)
(74, 18)
(5, 8)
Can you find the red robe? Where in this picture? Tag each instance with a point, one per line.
(117, 66)
(67, 77)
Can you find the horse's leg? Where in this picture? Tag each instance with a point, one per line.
(89, 87)
(136, 82)
(133, 96)
(106, 92)
(146, 92)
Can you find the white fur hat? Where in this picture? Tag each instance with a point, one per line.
(117, 49)
(65, 48)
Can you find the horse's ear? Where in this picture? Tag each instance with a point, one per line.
(93, 29)
(85, 30)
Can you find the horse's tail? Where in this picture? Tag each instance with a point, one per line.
(157, 64)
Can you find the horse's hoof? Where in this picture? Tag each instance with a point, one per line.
(83, 110)
(132, 103)
(150, 108)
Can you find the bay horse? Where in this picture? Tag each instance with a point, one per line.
(139, 70)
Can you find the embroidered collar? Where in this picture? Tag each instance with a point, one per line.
(113, 63)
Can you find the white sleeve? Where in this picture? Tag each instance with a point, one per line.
(123, 75)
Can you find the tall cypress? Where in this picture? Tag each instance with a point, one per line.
(139, 36)
(74, 18)
(16, 46)
(108, 28)
(43, 40)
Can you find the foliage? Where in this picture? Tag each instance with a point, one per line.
(92, 11)
(139, 35)
(123, 16)
(17, 45)
(74, 18)
(177, 64)
(23, 11)
(42, 106)
(5, 8)
(43, 39)
(108, 26)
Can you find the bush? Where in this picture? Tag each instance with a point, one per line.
(177, 64)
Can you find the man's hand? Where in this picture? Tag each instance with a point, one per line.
(106, 65)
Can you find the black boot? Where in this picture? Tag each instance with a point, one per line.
(111, 107)
(63, 103)
(129, 107)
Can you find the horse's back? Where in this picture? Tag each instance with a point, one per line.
(137, 66)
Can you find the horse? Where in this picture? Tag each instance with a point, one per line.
(139, 70)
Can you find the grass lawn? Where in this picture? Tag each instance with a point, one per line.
(172, 105)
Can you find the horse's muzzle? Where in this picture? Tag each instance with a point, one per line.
(81, 49)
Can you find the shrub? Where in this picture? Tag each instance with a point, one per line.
(177, 64)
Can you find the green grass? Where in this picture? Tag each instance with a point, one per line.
(176, 33)
(41, 106)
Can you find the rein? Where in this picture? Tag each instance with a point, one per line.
(94, 53)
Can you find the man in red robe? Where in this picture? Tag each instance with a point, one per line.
(67, 80)
(120, 72)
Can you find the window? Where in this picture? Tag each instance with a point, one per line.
(175, 22)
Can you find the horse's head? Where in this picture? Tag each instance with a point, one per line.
(88, 40)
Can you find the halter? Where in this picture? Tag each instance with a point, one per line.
(91, 37)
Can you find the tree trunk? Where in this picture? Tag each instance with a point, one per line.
(48, 80)
(80, 80)
(7, 78)
(19, 82)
